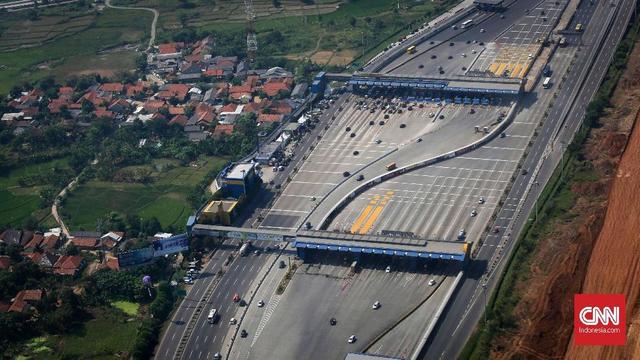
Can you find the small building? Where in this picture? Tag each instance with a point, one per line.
(299, 91)
(219, 212)
(291, 128)
(239, 180)
(268, 152)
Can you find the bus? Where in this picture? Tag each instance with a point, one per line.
(411, 49)
(579, 27)
(546, 83)
(244, 249)
(467, 24)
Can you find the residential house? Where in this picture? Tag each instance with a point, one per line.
(120, 106)
(5, 262)
(50, 242)
(68, 265)
(223, 129)
(45, 260)
(85, 240)
(111, 239)
(111, 262)
(112, 88)
(15, 237)
(178, 91)
(270, 118)
(179, 119)
(26, 300)
(35, 241)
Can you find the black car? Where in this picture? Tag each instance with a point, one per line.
(353, 135)
(282, 265)
(346, 174)
(333, 321)
(402, 126)
(243, 333)
(356, 152)
(348, 129)
(381, 122)
(372, 122)
(360, 177)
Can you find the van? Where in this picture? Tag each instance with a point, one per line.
(391, 166)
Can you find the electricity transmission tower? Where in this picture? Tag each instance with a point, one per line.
(252, 42)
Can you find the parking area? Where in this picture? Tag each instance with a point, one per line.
(367, 138)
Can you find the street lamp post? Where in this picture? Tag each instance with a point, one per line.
(484, 291)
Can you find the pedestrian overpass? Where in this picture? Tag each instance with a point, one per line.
(308, 241)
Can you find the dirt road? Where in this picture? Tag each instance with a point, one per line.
(155, 12)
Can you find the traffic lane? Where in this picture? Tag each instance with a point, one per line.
(208, 338)
(182, 316)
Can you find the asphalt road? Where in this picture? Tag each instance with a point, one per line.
(465, 311)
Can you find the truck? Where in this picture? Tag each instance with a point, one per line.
(244, 249)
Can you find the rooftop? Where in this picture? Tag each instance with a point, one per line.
(239, 171)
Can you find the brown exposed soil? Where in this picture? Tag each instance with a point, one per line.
(594, 248)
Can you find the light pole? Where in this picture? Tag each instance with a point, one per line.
(484, 291)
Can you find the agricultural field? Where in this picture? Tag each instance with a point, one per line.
(19, 200)
(327, 32)
(165, 197)
(109, 334)
(68, 40)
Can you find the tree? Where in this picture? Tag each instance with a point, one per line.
(71, 250)
(352, 21)
(30, 223)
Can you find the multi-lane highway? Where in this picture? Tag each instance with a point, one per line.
(466, 309)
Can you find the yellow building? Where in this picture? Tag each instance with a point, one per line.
(219, 212)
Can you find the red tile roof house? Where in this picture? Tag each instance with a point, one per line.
(135, 89)
(153, 106)
(65, 90)
(86, 242)
(25, 300)
(179, 119)
(111, 239)
(35, 241)
(5, 262)
(113, 88)
(112, 263)
(170, 48)
(50, 242)
(223, 129)
(68, 265)
(178, 91)
(44, 259)
(272, 89)
(270, 118)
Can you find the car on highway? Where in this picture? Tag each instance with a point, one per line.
(188, 280)
(525, 171)
(481, 200)
(244, 333)
(282, 265)
(419, 140)
(432, 282)
(496, 229)
(502, 135)
(346, 174)
(261, 303)
(236, 297)
(388, 269)
(233, 321)
(402, 126)
(360, 177)
(352, 339)
(217, 356)
(211, 318)
(474, 212)
(333, 321)
(356, 152)
(462, 234)
(376, 305)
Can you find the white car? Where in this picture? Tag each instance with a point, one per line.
(233, 321)
(217, 356)
(260, 303)
(352, 339)
(481, 201)
(188, 280)
(482, 30)
(388, 269)
(474, 213)
(432, 282)
(376, 305)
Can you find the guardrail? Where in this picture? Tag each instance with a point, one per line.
(417, 165)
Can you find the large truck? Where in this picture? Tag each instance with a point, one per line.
(244, 249)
